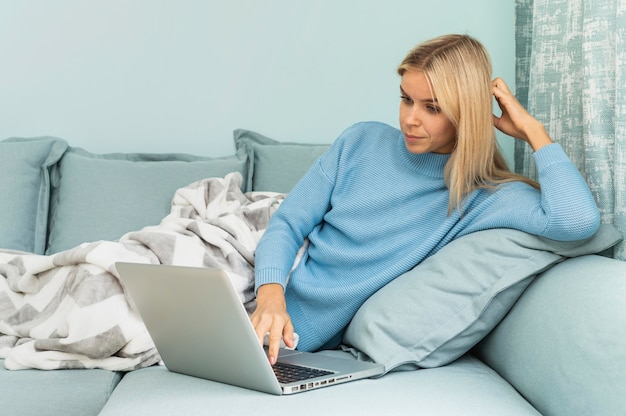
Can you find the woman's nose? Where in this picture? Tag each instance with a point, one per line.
(413, 118)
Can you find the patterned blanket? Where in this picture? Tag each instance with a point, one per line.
(69, 310)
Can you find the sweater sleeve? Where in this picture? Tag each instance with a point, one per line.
(570, 209)
(565, 209)
(302, 210)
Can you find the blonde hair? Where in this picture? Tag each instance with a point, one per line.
(458, 69)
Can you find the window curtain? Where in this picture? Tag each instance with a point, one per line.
(571, 75)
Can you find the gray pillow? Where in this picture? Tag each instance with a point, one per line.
(276, 166)
(25, 191)
(102, 197)
(436, 312)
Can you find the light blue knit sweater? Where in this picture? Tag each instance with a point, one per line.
(372, 211)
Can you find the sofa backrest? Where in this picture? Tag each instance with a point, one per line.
(55, 197)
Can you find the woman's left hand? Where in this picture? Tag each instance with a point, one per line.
(515, 121)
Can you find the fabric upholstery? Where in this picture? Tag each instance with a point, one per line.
(25, 189)
(102, 197)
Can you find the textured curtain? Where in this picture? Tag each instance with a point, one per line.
(571, 75)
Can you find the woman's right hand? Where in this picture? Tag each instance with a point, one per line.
(515, 121)
(271, 316)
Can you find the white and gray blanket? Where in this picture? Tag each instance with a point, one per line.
(69, 310)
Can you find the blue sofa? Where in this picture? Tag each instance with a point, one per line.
(530, 327)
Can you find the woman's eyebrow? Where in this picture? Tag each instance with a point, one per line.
(427, 100)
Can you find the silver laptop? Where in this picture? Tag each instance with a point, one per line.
(200, 328)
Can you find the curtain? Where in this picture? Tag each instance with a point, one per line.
(571, 75)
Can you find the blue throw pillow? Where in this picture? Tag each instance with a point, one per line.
(25, 191)
(436, 312)
(102, 197)
(276, 166)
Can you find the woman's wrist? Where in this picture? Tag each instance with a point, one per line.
(537, 136)
(271, 290)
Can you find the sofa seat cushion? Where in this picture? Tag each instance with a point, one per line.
(466, 387)
(58, 392)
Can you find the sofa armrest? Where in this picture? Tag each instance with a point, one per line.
(563, 345)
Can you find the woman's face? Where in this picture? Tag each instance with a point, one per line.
(425, 127)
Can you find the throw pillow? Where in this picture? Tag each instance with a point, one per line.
(25, 190)
(436, 312)
(102, 197)
(276, 166)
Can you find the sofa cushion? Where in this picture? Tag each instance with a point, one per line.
(436, 312)
(563, 345)
(25, 191)
(467, 387)
(55, 393)
(102, 197)
(276, 166)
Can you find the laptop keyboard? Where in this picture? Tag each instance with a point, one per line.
(288, 373)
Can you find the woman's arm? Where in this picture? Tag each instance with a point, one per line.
(301, 211)
(567, 209)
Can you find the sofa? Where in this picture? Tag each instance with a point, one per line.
(497, 323)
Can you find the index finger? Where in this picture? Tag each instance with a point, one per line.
(278, 332)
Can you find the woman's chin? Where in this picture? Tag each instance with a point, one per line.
(415, 148)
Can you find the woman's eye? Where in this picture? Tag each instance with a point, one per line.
(406, 100)
(433, 109)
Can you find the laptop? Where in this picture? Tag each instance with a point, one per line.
(200, 328)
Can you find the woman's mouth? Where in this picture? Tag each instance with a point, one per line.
(412, 139)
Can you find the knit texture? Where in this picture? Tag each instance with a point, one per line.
(372, 211)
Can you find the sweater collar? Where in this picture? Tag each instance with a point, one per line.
(429, 164)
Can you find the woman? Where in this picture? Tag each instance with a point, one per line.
(381, 200)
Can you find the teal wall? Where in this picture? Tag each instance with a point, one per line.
(180, 75)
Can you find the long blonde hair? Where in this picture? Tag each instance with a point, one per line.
(458, 69)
